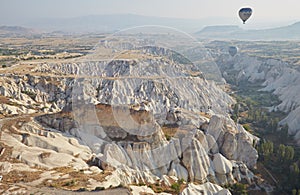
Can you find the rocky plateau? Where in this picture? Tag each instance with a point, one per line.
(140, 119)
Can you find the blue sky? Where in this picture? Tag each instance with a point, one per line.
(264, 10)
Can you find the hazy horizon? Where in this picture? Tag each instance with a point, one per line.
(266, 13)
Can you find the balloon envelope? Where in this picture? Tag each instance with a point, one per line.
(232, 50)
(245, 14)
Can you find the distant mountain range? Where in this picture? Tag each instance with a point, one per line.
(113, 23)
(235, 32)
(16, 31)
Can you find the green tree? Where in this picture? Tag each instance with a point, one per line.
(289, 153)
(238, 189)
(281, 152)
(273, 125)
(176, 187)
(266, 149)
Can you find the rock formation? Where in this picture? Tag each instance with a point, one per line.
(145, 120)
(276, 76)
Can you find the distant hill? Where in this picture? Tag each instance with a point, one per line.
(223, 31)
(115, 22)
(16, 31)
(234, 32)
(289, 32)
(222, 28)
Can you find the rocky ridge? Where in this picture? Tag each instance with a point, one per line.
(148, 119)
(276, 76)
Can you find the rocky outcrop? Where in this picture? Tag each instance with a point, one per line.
(31, 94)
(195, 159)
(283, 81)
(144, 120)
(233, 141)
(206, 188)
(37, 147)
(175, 99)
(276, 76)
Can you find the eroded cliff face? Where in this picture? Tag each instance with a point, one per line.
(145, 120)
(276, 76)
(29, 94)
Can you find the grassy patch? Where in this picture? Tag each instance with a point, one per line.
(20, 176)
(77, 180)
(175, 188)
(170, 131)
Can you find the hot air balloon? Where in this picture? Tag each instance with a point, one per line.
(245, 14)
(232, 50)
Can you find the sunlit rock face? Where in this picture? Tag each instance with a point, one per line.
(148, 118)
(277, 77)
(177, 124)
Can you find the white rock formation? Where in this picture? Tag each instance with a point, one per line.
(173, 99)
(45, 149)
(221, 164)
(278, 77)
(149, 119)
(206, 188)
